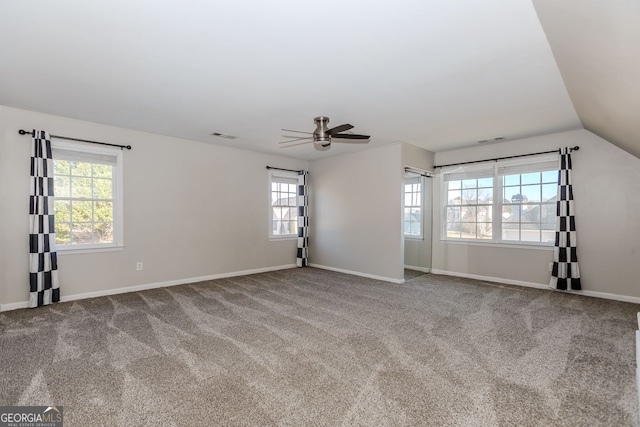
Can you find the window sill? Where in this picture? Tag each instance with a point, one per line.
(520, 245)
(278, 238)
(417, 238)
(89, 250)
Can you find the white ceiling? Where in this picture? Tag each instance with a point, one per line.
(436, 74)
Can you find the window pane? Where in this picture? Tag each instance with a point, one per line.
(63, 230)
(103, 212)
(415, 228)
(510, 232)
(531, 193)
(469, 196)
(453, 230)
(103, 171)
(81, 233)
(416, 199)
(485, 182)
(407, 227)
(548, 214)
(485, 213)
(468, 214)
(549, 192)
(103, 232)
(102, 188)
(531, 178)
(550, 176)
(484, 230)
(81, 212)
(485, 195)
(470, 183)
(80, 169)
(510, 194)
(61, 167)
(530, 233)
(61, 186)
(548, 233)
(468, 230)
(511, 180)
(455, 197)
(454, 185)
(510, 213)
(62, 209)
(81, 187)
(407, 199)
(531, 213)
(453, 214)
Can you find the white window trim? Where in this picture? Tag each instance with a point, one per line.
(496, 240)
(118, 198)
(282, 174)
(421, 181)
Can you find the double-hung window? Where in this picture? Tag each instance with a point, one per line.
(504, 202)
(88, 196)
(413, 184)
(283, 210)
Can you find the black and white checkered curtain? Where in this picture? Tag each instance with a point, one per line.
(303, 220)
(566, 274)
(43, 265)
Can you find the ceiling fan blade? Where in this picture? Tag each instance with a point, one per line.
(293, 145)
(350, 136)
(297, 137)
(298, 131)
(351, 141)
(340, 128)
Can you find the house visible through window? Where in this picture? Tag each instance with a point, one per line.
(413, 205)
(509, 202)
(87, 196)
(284, 205)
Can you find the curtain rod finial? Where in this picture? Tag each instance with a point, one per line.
(576, 148)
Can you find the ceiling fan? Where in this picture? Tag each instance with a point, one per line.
(322, 135)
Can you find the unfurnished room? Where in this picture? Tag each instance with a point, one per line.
(407, 213)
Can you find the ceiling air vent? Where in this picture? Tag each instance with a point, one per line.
(223, 135)
(497, 138)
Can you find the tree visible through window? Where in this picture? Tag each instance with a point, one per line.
(86, 197)
(524, 209)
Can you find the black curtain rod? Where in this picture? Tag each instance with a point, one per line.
(287, 170)
(128, 147)
(576, 148)
(416, 172)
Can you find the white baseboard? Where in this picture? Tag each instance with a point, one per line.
(422, 269)
(357, 273)
(136, 288)
(595, 294)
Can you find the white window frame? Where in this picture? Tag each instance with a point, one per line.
(288, 175)
(525, 166)
(421, 181)
(118, 196)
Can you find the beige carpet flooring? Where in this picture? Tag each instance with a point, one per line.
(311, 347)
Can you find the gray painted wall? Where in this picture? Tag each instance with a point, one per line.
(356, 212)
(606, 184)
(190, 210)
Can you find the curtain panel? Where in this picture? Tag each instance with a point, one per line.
(303, 220)
(43, 264)
(565, 274)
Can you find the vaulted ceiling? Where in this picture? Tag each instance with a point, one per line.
(596, 45)
(436, 74)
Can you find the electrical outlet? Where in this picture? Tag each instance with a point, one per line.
(550, 266)
(139, 266)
